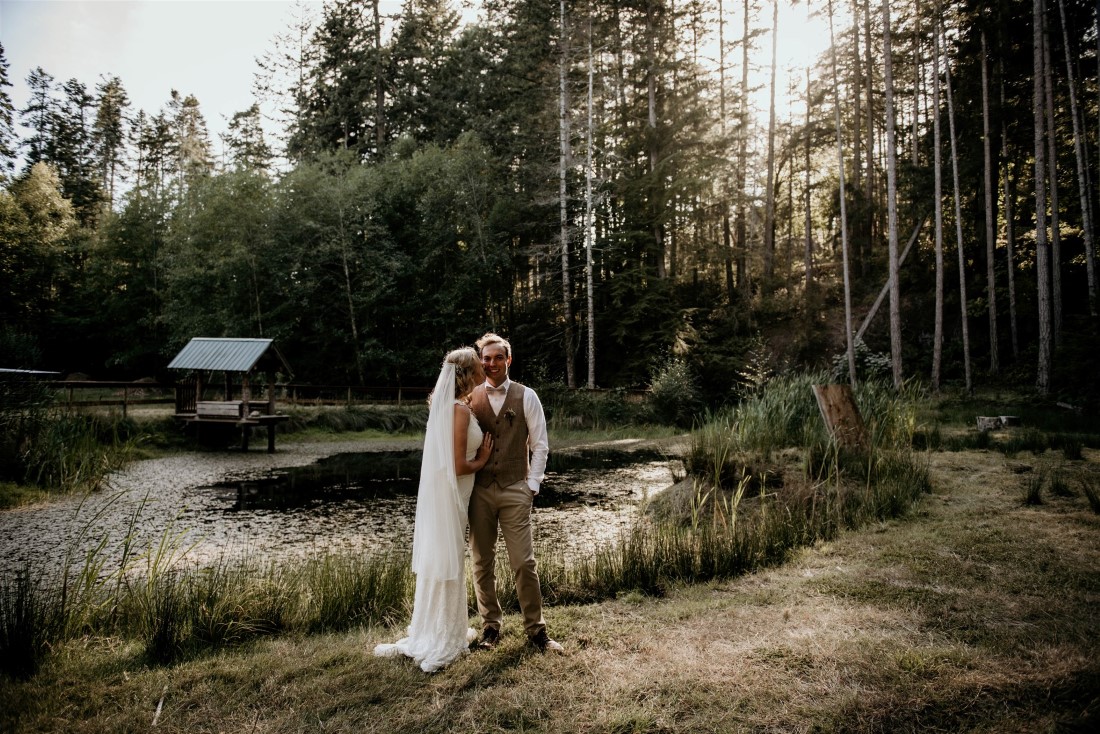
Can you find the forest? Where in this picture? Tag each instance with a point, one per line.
(599, 182)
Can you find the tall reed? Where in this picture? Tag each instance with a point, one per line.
(72, 452)
(27, 623)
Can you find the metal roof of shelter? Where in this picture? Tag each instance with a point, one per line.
(229, 355)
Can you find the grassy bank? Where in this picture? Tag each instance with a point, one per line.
(977, 612)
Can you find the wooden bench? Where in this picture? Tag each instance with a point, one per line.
(220, 409)
(211, 413)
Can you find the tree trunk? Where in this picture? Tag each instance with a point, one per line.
(379, 84)
(892, 197)
(1042, 251)
(886, 288)
(958, 228)
(1010, 228)
(808, 255)
(349, 292)
(843, 211)
(1079, 154)
(1052, 165)
(742, 161)
(727, 236)
(917, 78)
(857, 97)
(564, 157)
(990, 221)
(589, 216)
(937, 157)
(769, 193)
(651, 127)
(870, 196)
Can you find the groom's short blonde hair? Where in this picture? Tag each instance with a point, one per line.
(491, 338)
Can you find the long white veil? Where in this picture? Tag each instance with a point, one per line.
(439, 533)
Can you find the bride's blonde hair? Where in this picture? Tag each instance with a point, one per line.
(466, 361)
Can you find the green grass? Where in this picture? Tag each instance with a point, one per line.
(13, 494)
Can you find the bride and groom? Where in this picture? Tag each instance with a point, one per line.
(485, 452)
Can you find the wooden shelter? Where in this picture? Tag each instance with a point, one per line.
(241, 363)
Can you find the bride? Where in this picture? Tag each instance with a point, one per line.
(454, 449)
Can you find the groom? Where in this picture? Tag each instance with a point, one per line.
(504, 491)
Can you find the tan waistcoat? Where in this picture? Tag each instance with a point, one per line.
(510, 458)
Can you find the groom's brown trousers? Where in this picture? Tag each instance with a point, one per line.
(510, 507)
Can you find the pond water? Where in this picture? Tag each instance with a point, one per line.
(359, 502)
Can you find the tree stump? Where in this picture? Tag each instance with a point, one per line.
(841, 415)
(989, 422)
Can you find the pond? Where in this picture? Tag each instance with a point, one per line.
(357, 502)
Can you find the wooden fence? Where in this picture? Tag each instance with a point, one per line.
(124, 395)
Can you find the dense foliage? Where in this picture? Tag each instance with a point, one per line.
(412, 200)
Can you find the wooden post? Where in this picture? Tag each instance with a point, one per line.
(270, 376)
(271, 438)
(246, 395)
(125, 399)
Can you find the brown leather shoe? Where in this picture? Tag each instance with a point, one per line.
(543, 642)
(490, 638)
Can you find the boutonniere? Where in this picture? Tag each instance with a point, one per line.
(509, 414)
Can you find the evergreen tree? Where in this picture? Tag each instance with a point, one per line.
(7, 120)
(335, 111)
(38, 116)
(421, 68)
(190, 142)
(283, 79)
(152, 141)
(72, 150)
(109, 133)
(245, 142)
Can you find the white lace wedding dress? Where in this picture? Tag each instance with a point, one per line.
(439, 633)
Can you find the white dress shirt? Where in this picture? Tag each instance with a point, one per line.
(538, 444)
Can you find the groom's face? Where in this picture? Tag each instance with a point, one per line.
(495, 363)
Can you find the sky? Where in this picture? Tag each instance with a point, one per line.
(206, 48)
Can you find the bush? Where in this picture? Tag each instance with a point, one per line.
(869, 365)
(674, 395)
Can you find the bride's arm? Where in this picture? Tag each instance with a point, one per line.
(462, 424)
